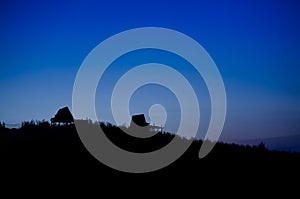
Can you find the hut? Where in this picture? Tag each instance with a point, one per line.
(63, 115)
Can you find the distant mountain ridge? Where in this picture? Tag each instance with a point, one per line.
(282, 143)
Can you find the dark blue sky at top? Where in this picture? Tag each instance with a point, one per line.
(255, 45)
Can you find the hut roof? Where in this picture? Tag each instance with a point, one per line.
(139, 120)
(63, 115)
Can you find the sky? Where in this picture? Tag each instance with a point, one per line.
(255, 45)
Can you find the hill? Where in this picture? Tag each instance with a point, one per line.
(42, 152)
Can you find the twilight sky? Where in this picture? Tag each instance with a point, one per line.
(255, 45)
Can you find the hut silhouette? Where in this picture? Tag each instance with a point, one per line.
(138, 120)
(63, 115)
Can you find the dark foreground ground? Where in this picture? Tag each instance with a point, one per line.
(53, 158)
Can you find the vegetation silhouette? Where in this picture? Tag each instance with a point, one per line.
(43, 150)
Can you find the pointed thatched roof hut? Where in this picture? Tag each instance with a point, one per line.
(63, 115)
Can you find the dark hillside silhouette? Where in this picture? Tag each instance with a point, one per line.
(42, 151)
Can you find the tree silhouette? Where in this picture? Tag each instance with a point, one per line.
(2, 125)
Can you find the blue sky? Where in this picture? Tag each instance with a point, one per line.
(255, 45)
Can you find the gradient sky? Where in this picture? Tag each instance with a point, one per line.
(255, 45)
